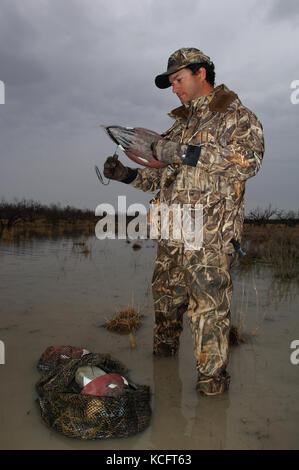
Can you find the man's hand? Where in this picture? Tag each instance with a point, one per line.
(169, 152)
(172, 152)
(114, 169)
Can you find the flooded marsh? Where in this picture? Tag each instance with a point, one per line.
(61, 290)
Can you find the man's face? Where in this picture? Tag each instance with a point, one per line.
(188, 86)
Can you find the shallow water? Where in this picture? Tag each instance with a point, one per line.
(52, 294)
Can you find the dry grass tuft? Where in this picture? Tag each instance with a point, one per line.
(235, 337)
(125, 321)
(136, 246)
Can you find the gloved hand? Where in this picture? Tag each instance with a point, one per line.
(114, 169)
(172, 152)
(168, 152)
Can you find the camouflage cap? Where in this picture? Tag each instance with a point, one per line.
(179, 60)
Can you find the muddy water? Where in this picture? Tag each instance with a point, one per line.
(52, 293)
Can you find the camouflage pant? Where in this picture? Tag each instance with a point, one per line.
(197, 282)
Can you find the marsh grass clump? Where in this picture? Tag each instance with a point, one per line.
(136, 246)
(26, 218)
(236, 337)
(81, 247)
(275, 245)
(283, 255)
(125, 321)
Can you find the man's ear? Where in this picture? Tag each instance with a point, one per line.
(202, 73)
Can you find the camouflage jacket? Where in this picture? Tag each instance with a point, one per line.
(232, 147)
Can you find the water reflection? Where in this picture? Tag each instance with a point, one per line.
(175, 424)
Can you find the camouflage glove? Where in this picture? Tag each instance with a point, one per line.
(114, 169)
(169, 152)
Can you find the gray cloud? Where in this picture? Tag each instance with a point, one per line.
(284, 10)
(70, 66)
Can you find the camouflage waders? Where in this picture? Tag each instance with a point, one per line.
(197, 282)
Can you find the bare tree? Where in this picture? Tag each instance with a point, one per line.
(262, 216)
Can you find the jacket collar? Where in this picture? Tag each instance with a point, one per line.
(217, 101)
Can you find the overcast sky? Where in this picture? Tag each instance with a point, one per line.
(71, 65)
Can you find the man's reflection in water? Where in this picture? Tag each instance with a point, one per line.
(181, 418)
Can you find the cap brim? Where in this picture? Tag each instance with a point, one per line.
(162, 81)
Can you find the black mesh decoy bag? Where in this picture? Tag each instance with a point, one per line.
(73, 414)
